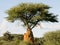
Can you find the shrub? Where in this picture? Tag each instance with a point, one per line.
(52, 38)
(7, 36)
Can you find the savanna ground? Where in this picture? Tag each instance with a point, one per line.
(50, 38)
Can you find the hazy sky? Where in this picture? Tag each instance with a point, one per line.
(17, 28)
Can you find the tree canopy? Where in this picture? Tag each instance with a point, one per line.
(30, 14)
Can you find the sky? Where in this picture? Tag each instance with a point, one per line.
(17, 28)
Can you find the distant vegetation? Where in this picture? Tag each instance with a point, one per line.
(50, 38)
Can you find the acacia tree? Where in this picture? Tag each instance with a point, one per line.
(30, 14)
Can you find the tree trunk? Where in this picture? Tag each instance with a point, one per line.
(28, 36)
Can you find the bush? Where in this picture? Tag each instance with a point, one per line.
(7, 36)
(52, 38)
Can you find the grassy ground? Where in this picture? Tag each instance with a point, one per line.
(50, 38)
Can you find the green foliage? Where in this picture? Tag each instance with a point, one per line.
(52, 38)
(7, 40)
(17, 36)
(7, 36)
(30, 14)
